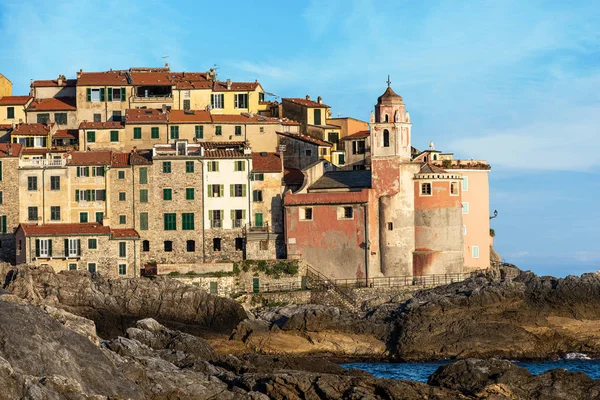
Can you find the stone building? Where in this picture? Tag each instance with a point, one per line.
(357, 150)
(9, 194)
(303, 150)
(61, 111)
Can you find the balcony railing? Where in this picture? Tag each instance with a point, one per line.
(42, 163)
(237, 223)
(216, 223)
(153, 98)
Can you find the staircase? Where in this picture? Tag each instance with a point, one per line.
(316, 281)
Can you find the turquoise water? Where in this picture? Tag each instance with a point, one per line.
(421, 371)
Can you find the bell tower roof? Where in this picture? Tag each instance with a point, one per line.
(389, 97)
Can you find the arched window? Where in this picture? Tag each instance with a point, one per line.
(386, 137)
(387, 118)
(435, 157)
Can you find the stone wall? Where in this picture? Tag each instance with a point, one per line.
(9, 207)
(203, 268)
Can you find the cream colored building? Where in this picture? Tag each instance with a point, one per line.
(12, 109)
(5, 86)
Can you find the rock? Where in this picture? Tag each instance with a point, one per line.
(116, 304)
(74, 322)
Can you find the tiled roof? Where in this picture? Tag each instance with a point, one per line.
(244, 118)
(116, 78)
(147, 115)
(34, 151)
(66, 134)
(142, 76)
(286, 121)
(293, 176)
(5, 127)
(224, 150)
(96, 157)
(54, 83)
(93, 228)
(101, 125)
(431, 169)
(357, 135)
(327, 198)
(389, 97)
(305, 102)
(31, 130)
(186, 85)
(14, 100)
(15, 149)
(305, 138)
(235, 86)
(343, 180)
(180, 116)
(119, 160)
(266, 162)
(124, 233)
(53, 104)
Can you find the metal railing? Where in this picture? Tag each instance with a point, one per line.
(42, 162)
(406, 280)
(216, 223)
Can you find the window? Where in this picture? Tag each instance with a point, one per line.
(333, 137)
(237, 218)
(189, 167)
(189, 193)
(464, 230)
(240, 100)
(465, 207)
(154, 133)
(92, 244)
(137, 133)
(55, 213)
(72, 247)
(475, 251)
(387, 118)
(60, 118)
(323, 151)
(116, 116)
(308, 153)
(122, 219)
(258, 219)
(217, 244)
(453, 189)
(239, 166)
(83, 171)
(91, 136)
(43, 118)
(55, 183)
(258, 177)
(390, 226)
(114, 94)
(121, 175)
(32, 183)
(386, 138)
(44, 248)
(170, 222)
(143, 195)
(144, 174)
(306, 214)
(358, 147)
(83, 217)
(317, 116)
(190, 246)
(122, 196)
(216, 217)
(341, 159)
(95, 94)
(168, 246)
(257, 195)
(261, 129)
(218, 130)
(166, 167)
(72, 267)
(143, 221)
(122, 249)
(239, 244)
(91, 267)
(237, 190)
(99, 217)
(167, 194)
(187, 221)
(215, 190)
(1, 198)
(10, 112)
(3, 225)
(238, 130)
(122, 269)
(465, 183)
(32, 213)
(114, 136)
(214, 287)
(186, 105)
(426, 189)
(146, 246)
(199, 132)
(216, 101)
(97, 171)
(348, 212)
(97, 117)
(174, 132)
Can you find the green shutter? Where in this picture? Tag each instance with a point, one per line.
(221, 190)
(77, 195)
(88, 94)
(123, 94)
(244, 190)
(78, 247)
(102, 94)
(109, 94)
(243, 214)
(0, 170)
(49, 247)
(233, 215)
(143, 195)
(66, 247)
(114, 136)
(93, 171)
(144, 221)
(137, 133)
(78, 172)
(210, 193)
(155, 134)
(37, 247)
(143, 175)
(231, 190)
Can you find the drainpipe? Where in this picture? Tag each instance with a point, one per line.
(106, 169)
(202, 210)
(134, 219)
(367, 243)
(250, 203)
(134, 258)
(43, 194)
(106, 102)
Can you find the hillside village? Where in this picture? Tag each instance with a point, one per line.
(146, 170)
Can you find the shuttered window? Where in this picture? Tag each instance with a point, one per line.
(143, 221)
(187, 221)
(137, 133)
(144, 175)
(170, 222)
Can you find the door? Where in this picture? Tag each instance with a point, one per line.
(255, 285)
(258, 219)
(214, 288)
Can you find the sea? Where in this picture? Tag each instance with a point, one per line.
(420, 371)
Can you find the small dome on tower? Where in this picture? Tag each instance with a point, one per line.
(389, 97)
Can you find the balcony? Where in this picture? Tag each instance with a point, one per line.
(42, 163)
(237, 223)
(216, 223)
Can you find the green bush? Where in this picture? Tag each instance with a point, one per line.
(174, 273)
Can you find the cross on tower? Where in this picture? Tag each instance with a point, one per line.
(388, 81)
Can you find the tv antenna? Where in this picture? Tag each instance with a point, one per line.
(165, 60)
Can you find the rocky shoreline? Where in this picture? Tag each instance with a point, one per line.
(62, 334)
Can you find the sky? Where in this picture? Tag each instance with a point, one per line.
(513, 82)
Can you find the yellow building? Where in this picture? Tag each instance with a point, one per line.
(12, 109)
(101, 135)
(5, 86)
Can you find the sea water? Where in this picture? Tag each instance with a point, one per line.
(420, 371)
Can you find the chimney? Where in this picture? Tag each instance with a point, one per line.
(320, 100)
(307, 97)
(9, 147)
(59, 80)
(79, 73)
(228, 84)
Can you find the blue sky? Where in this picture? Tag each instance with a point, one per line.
(512, 82)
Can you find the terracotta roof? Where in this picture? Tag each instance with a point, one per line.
(140, 158)
(116, 78)
(33, 151)
(146, 115)
(66, 134)
(224, 149)
(5, 127)
(54, 83)
(124, 233)
(180, 116)
(327, 198)
(305, 138)
(266, 162)
(431, 169)
(93, 228)
(119, 160)
(286, 121)
(235, 86)
(31, 130)
(305, 102)
(15, 149)
(194, 85)
(293, 176)
(357, 135)
(53, 104)
(101, 125)
(389, 97)
(244, 118)
(96, 157)
(140, 77)
(14, 100)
